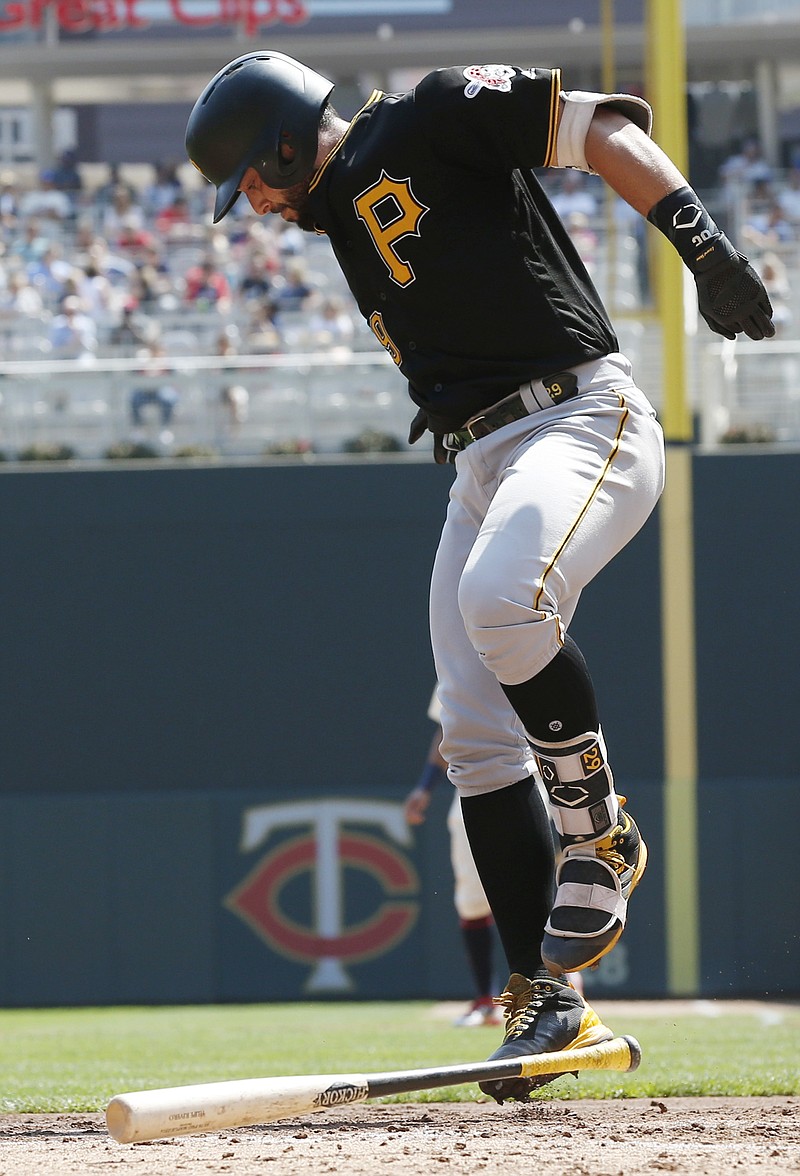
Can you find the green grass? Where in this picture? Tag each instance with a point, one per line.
(54, 1060)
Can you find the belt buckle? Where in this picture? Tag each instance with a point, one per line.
(456, 442)
(469, 426)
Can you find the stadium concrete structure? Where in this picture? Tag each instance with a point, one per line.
(95, 62)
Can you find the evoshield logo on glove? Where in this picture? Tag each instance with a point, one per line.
(689, 217)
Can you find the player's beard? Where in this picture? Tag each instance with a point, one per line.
(296, 200)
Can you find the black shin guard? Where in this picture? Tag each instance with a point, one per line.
(512, 844)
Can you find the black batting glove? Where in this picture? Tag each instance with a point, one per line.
(419, 426)
(730, 294)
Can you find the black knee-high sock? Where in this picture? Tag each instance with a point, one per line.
(511, 842)
(559, 702)
(477, 936)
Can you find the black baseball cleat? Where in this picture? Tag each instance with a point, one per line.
(543, 1015)
(594, 882)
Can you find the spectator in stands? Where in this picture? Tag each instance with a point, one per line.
(291, 241)
(789, 197)
(99, 297)
(67, 177)
(134, 329)
(292, 289)
(741, 175)
(118, 269)
(153, 284)
(259, 239)
(573, 195)
(746, 165)
(256, 281)
(83, 238)
(207, 286)
(758, 198)
(234, 397)
(132, 239)
(158, 392)
(104, 195)
(72, 332)
(775, 276)
(166, 186)
(766, 226)
(174, 222)
(330, 327)
(123, 212)
(583, 236)
(46, 201)
(50, 273)
(9, 199)
(31, 243)
(263, 333)
(19, 297)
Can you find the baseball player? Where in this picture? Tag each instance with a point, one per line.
(470, 281)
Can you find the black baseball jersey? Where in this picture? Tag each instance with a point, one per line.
(453, 251)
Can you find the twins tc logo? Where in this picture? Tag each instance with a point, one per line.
(329, 853)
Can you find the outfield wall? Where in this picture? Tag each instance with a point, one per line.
(214, 686)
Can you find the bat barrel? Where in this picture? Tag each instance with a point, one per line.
(215, 1106)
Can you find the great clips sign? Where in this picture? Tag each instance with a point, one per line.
(250, 16)
(113, 16)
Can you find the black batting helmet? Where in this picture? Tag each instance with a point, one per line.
(244, 114)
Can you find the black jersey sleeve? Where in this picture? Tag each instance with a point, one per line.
(490, 117)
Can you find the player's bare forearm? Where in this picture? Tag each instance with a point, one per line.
(731, 295)
(629, 161)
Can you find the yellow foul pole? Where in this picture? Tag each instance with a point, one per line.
(666, 71)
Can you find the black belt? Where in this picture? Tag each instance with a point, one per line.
(559, 387)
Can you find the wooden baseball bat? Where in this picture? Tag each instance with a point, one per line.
(215, 1106)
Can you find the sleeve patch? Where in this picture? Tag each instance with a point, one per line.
(493, 77)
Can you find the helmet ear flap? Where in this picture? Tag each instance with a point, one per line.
(282, 163)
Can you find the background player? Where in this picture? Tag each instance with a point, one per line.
(469, 279)
(469, 898)
(472, 907)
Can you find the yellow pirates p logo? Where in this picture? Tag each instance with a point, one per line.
(390, 211)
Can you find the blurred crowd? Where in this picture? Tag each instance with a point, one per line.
(118, 269)
(127, 264)
(114, 268)
(756, 204)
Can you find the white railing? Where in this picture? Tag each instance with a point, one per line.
(242, 405)
(750, 392)
(324, 403)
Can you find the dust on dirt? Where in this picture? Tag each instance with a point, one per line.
(624, 1137)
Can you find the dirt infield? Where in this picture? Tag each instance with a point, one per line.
(633, 1137)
